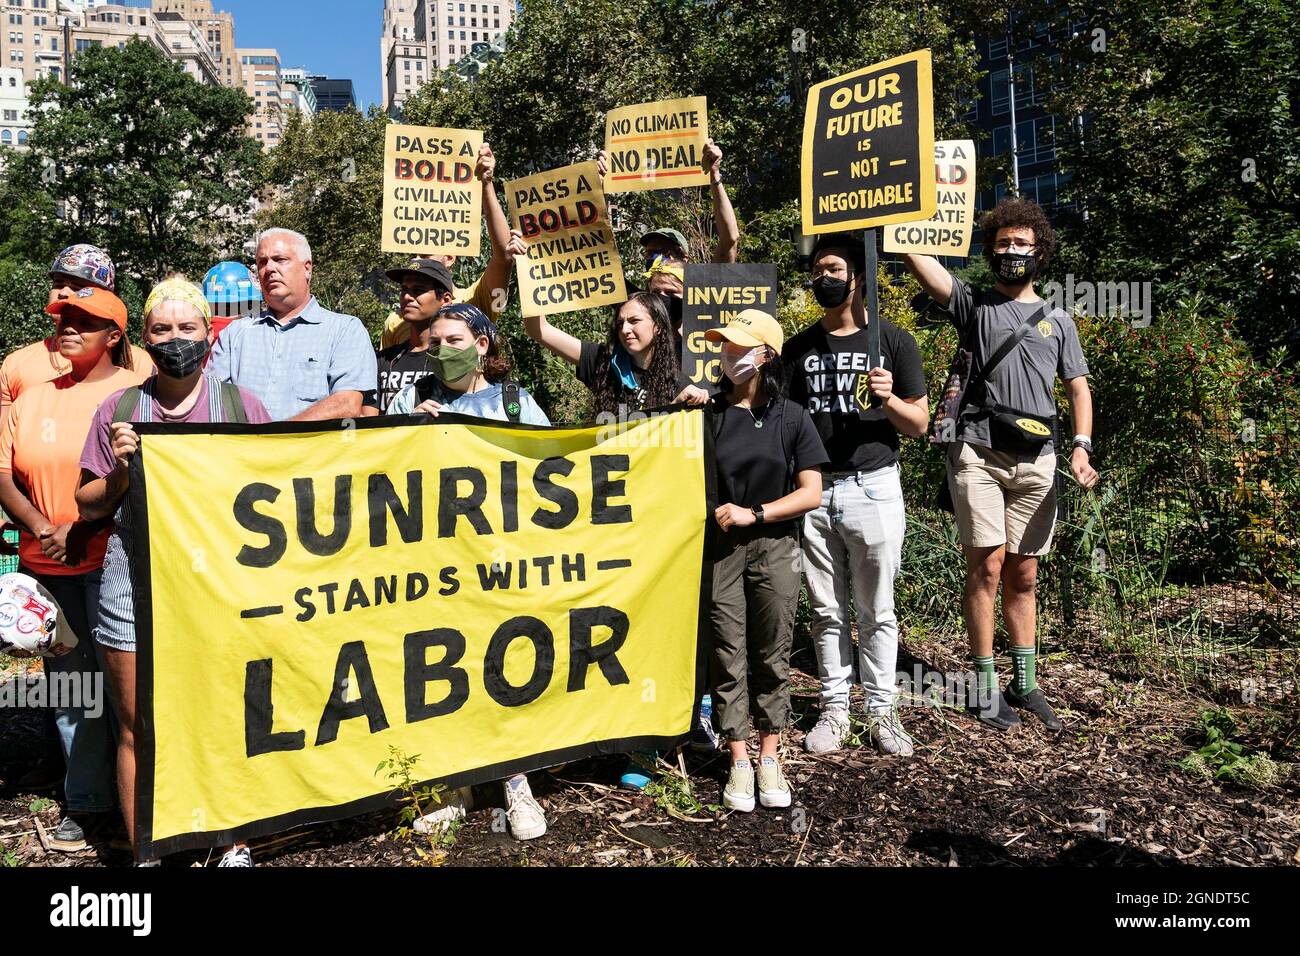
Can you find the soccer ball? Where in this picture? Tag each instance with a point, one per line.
(28, 618)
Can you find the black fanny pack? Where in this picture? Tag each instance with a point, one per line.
(1011, 430)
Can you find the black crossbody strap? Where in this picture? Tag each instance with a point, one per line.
(1008, 346)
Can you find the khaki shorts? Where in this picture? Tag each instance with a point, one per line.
(1002, 498)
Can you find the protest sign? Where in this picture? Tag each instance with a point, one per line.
(948, 231)
(713, 295)
(530, 599)
(868, 144)
(573, 261)
(432, 200)
(657, 145)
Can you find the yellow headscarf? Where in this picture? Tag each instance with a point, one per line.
(673, 269)
(179, 290)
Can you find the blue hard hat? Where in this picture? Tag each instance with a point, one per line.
(231, 282)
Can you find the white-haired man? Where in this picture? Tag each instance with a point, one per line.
(304, 362)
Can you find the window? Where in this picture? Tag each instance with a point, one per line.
(7, 137)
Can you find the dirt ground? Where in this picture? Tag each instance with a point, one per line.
(1104, 791)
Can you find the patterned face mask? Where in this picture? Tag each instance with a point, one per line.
(178, 358)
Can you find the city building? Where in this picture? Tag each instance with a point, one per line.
(13, 108)
(333, 96)
(218, 28)
(299, 93)
(265, 86)
(421, 37)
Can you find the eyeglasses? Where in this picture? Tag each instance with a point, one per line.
(1012, 245)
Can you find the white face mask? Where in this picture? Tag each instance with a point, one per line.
(742, 369)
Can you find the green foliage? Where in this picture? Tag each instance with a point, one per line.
(399, 770)
(40, 805)
(1189, 167)
(1223, 759)
(24, 292)
(12, 859)
(140, 158)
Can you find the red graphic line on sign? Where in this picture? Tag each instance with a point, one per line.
(654, 175)
(629, 139)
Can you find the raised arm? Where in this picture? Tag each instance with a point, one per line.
(934, 278)
(497, 274)
(724, 217)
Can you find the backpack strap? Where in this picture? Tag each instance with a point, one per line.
(127, 403)
(510, 401)
(232, 403)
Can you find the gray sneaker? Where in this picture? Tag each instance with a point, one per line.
(888, 735)
(830, 733)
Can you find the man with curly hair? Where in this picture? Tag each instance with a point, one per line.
(1002, 459)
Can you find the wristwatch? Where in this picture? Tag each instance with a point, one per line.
(758, 514)
(1084, 442)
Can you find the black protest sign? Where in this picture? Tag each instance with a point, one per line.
(868, 147)
(714, 294)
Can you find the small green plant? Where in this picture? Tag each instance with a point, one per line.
(417, 801)
(11, 859)
(1222, 758)
(40, 805)
(673, 794)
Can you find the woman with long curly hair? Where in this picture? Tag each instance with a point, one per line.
(635, 368)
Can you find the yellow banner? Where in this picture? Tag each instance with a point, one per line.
(432, 200)
(657, 145)
(573, 261)
(948, 231)
(532, 598)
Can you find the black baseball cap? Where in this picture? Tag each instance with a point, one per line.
(851, 243)
(430, 269)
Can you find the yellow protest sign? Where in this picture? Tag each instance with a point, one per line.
(573, 261)
(868, 142)
(657, 145)
(432, 200)
(532, 598)
(948, 231)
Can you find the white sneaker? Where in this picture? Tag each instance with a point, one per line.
(527, 821)
(452, 808)
(830, 733)
(237, 856)
(773, 791)
(738, 794)
(888, 735)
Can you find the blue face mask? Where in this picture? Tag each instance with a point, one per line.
(622, 363)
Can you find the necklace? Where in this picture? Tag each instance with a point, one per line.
(758, 422)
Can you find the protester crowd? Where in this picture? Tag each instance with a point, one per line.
(806, 437)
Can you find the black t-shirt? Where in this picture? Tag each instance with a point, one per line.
(398, 368)
(829, 375)
(632, 398)
(751, 462)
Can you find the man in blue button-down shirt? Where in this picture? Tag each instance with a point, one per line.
(304, 362)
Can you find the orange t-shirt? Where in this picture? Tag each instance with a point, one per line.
(40, 446)
(41, 362)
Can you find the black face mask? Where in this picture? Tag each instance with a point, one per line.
(178, 358)
(1015, 268)
(674, 306)
(830, 293)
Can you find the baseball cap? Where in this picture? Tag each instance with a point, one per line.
(430, 269)
(88, 263)
(472, 316)
(750, 328)
(850, 243)
(672, 235)
(96, 303)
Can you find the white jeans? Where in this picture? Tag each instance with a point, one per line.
(855, 536)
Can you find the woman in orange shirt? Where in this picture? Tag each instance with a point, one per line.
(40, 468)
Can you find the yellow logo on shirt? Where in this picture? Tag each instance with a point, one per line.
(1044, 328)
(862, 394)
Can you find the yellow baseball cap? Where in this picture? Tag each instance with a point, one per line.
(751, 328)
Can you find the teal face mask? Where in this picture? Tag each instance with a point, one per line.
(452, 364)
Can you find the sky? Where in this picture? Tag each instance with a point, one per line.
(337, 38)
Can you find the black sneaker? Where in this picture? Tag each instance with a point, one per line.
(995, 712)
(1036, 704)
(69, 836)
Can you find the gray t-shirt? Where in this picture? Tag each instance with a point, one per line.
(1024, 380)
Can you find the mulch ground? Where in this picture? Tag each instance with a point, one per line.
(1104, 791)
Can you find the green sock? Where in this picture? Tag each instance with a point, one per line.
(1022, 659)
(986, 676)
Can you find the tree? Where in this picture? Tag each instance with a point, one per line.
(137, 157)
(1188, 165)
